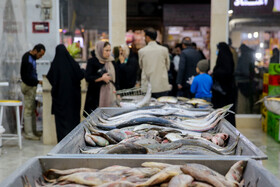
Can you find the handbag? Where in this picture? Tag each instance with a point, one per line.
(218, 88)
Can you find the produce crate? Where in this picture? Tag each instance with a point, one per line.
(274, 80)
(254, 174)
(265, 78)
(74, 141)
(273, 90)
(273, 122)
(274, 69)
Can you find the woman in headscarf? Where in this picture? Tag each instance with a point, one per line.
(128, 66)
(65, 76)
(101, 77)
(223, 74)
(244, 75)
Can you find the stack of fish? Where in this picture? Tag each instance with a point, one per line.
(159, 131)
(150, 174)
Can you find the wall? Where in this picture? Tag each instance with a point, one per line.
(51, 39)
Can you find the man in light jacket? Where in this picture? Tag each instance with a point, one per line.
(154, 62)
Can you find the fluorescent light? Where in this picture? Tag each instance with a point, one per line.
(230, 12)
(256, 34)
(261, 45)
(258, 56)
(250, 35)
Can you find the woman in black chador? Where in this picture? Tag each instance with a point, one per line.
(223, 73)
(65, 75)
(101, 76)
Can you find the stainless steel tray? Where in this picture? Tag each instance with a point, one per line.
(72, 143)
(254, 174)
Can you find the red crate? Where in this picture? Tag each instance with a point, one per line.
(265, 88)
(274, 80)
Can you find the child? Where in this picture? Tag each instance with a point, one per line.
(202, 83)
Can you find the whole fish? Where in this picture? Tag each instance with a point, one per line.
(117, 134)
(203, 173)
(181, 180)
(118, 184)
(236, 171)
(158, 165)
(167, 99)
(162, 176)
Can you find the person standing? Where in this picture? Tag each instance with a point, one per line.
(202, 83)
(101, 76)
(65, 76)
(28, 73)
(187, 68)
(244, 76)
(223, 75)
(128, 66)
(154, 62)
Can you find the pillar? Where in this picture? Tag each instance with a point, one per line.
(219, 26)
(117, 22)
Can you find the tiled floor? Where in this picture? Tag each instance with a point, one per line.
(12, 157)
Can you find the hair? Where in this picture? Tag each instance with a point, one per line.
(186, 38)
(106, 43)
(187, 43)
(39, 47)
(152, 33)
(178, 45)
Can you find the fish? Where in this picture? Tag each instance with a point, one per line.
(114, 168)
(117, 134)
(154, 112)
(126, 148)
(118, 184)
(236, 171)
(88, 139)
(100, 141)
(158, 165)
(90, 178)
(143, 172)
(217, 140)
(162, 176)
(173, 137)
(199, 184)
(203, 173)
(181, 180)
(91, 151)
(189, 150)
(224, 136)
(52, 174)
(167, 99)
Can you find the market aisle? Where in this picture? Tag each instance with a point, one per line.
(12, 157)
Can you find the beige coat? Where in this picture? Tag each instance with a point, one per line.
(154, 62)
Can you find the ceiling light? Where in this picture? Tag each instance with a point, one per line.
(256, 34)
(249, 35)
(261, 45)
(230, 12)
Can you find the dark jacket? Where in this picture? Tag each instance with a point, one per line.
(187, 65)
(128, 71)
(93, 91)
(28, 70)
(65, 76)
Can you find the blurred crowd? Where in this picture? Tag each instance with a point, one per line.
(181, 70)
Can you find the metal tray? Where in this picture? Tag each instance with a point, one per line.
(72, 143)
(254, 174)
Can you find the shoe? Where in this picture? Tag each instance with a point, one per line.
(31, 137)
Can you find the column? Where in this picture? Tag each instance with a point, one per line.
(117, 22)
(219, 26)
